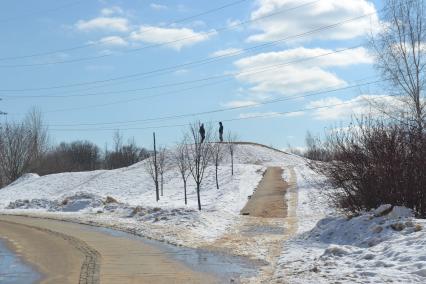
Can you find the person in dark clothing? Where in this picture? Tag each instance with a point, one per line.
(202, 133)
(220, 131)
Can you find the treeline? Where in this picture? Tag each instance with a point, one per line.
(25, 147)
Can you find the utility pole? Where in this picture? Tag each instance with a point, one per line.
(2, 113)
(157, 192)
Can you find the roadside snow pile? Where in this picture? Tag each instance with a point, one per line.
(31, 204)
(80, 202)
(75, 203)
(385, 245)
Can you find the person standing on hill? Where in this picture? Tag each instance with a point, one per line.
(202, 133)
(220, 131)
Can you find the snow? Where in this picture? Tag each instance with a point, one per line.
(319, 245)
(82, 196)
(385, 245)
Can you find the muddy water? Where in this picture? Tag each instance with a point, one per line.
(224, 267)
(13, 270)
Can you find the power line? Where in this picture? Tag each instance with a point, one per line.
(249, 72)
(181, 20)
(198, 62)
(212, 32)
(234, 108)
(275, 114)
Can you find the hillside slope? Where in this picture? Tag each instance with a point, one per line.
(82, 197)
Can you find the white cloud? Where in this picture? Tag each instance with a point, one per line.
(113, 41)
(333, 108)
(178, 37)
(226, 52)
(278, 76)
(234, 24)
(239, 103)
(311, 17)
(181, 71)
(117, 24)
(260, 114)
(295, 114)
(158, 7)
(112, 10)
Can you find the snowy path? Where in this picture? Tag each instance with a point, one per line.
(266, 235)
(268, 199)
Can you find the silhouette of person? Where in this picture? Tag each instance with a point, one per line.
(220, 131)
(202, 133)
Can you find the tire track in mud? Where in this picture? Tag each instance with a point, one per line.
(90, 268)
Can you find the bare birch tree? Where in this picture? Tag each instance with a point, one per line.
(162, 166)
(182, 163)
(199, 155)
(217, 159)
(231, 139)
(400, 50)
(152, 168)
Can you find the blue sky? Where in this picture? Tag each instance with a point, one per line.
(131, 39)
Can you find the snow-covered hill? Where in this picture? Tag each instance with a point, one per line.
(82, 196)
(133, 186)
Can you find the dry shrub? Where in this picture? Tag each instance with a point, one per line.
(376, 162)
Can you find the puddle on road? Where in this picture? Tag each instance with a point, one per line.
(13, 270)
(262, 230)
(227, 268)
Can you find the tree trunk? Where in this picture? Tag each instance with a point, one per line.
(184, 190)
(232, 164)
(198, 196)
(217, 179)
(156, 169)
(162, 184)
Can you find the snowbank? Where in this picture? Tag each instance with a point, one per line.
(384, 245)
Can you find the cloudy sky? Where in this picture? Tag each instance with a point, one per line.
(270, 69)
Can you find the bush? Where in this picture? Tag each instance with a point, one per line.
(70, 157)
(374, 163)
(124, 156)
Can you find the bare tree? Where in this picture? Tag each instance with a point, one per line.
(199, 155)
(217, 159)
(162, 166)
(117, 140)
(152, 168)
(22, 146)
(182, 163)
(15, 150)
(231, 139)
(315, 149)
(124, 155)
(400, 50)
(38, 137)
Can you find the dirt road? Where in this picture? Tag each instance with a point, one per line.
(268, 199)
(72, 253)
